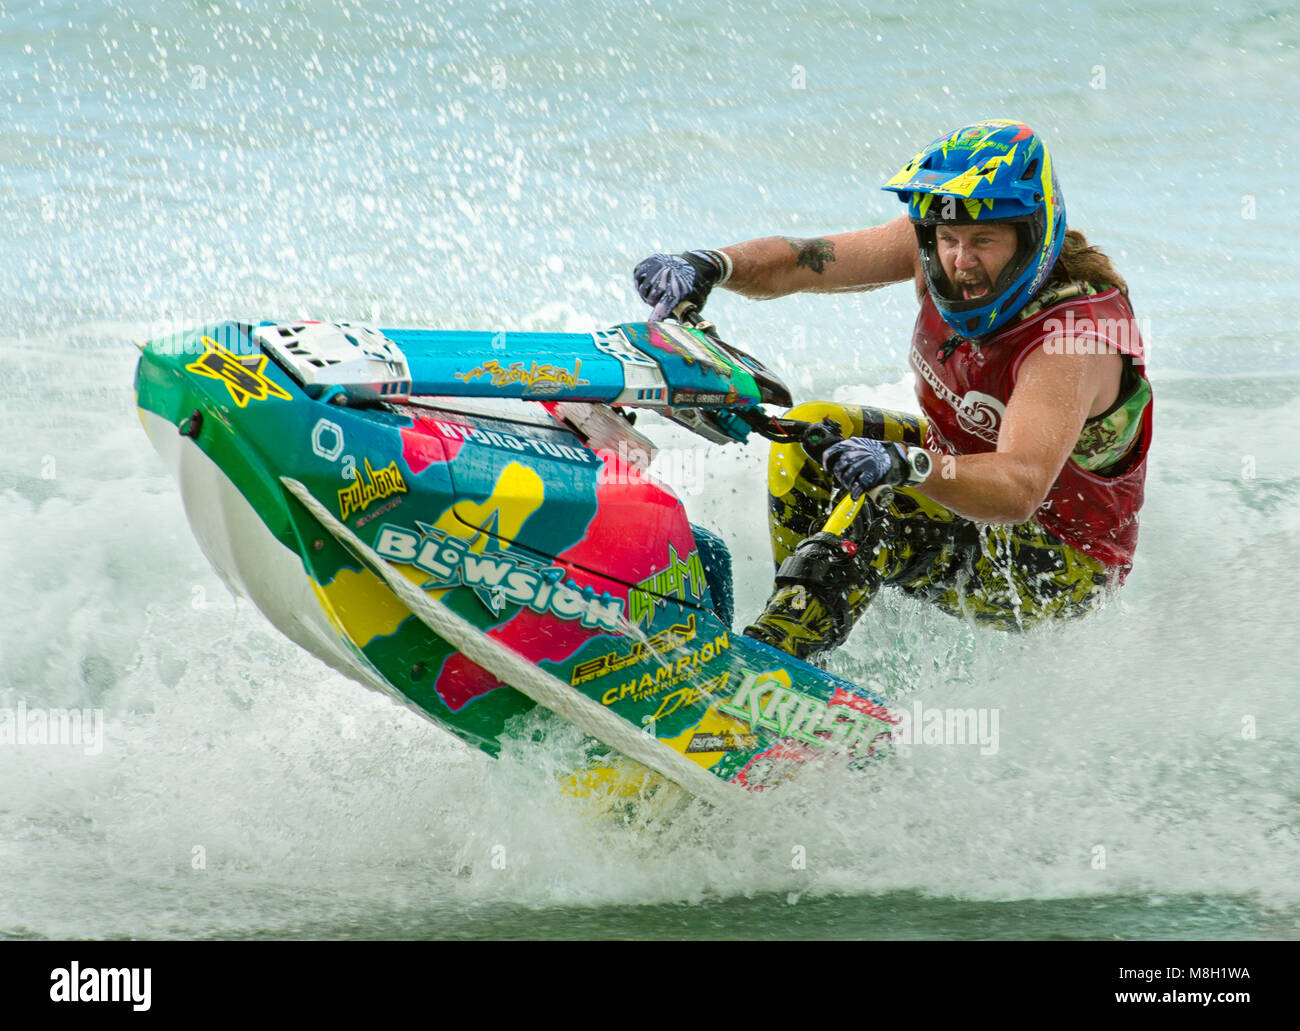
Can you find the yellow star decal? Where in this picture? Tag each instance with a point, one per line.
(244, 375)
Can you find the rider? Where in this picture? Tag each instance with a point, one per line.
(1036, 411)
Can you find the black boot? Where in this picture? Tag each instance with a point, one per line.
(809, 613)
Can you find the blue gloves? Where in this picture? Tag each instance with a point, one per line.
(860, 463)
(665, 280)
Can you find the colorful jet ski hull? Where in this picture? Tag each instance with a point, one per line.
(552, 549)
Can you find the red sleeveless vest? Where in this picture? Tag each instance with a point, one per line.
(965, 397)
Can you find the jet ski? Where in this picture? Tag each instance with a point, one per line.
(464, 521)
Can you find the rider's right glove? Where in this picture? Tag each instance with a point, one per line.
(665, 280)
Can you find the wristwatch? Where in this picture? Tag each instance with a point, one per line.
(919, 464)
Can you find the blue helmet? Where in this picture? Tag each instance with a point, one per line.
(993, 171)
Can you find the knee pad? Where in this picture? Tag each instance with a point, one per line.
(825, 564)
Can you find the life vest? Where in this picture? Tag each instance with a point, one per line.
(963, 387)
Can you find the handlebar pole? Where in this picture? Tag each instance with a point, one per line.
(689, 315)
(849, 509)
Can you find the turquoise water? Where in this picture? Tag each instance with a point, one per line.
(459, 166)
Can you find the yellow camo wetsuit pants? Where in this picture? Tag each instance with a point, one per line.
(1009, 577)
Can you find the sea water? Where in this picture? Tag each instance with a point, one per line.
(492, 166)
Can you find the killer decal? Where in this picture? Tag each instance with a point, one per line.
(681, 579)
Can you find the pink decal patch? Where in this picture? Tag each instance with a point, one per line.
(629, 497)
(862, 705)
(422, 445)
(460, 682)
(535, 636)
(774, 765)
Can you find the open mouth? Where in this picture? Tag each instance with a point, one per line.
(971, 288)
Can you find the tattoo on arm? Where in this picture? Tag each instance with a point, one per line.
(813, 254)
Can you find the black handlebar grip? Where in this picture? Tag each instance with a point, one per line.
(819, 436)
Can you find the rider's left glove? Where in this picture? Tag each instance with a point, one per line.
(860, 464)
